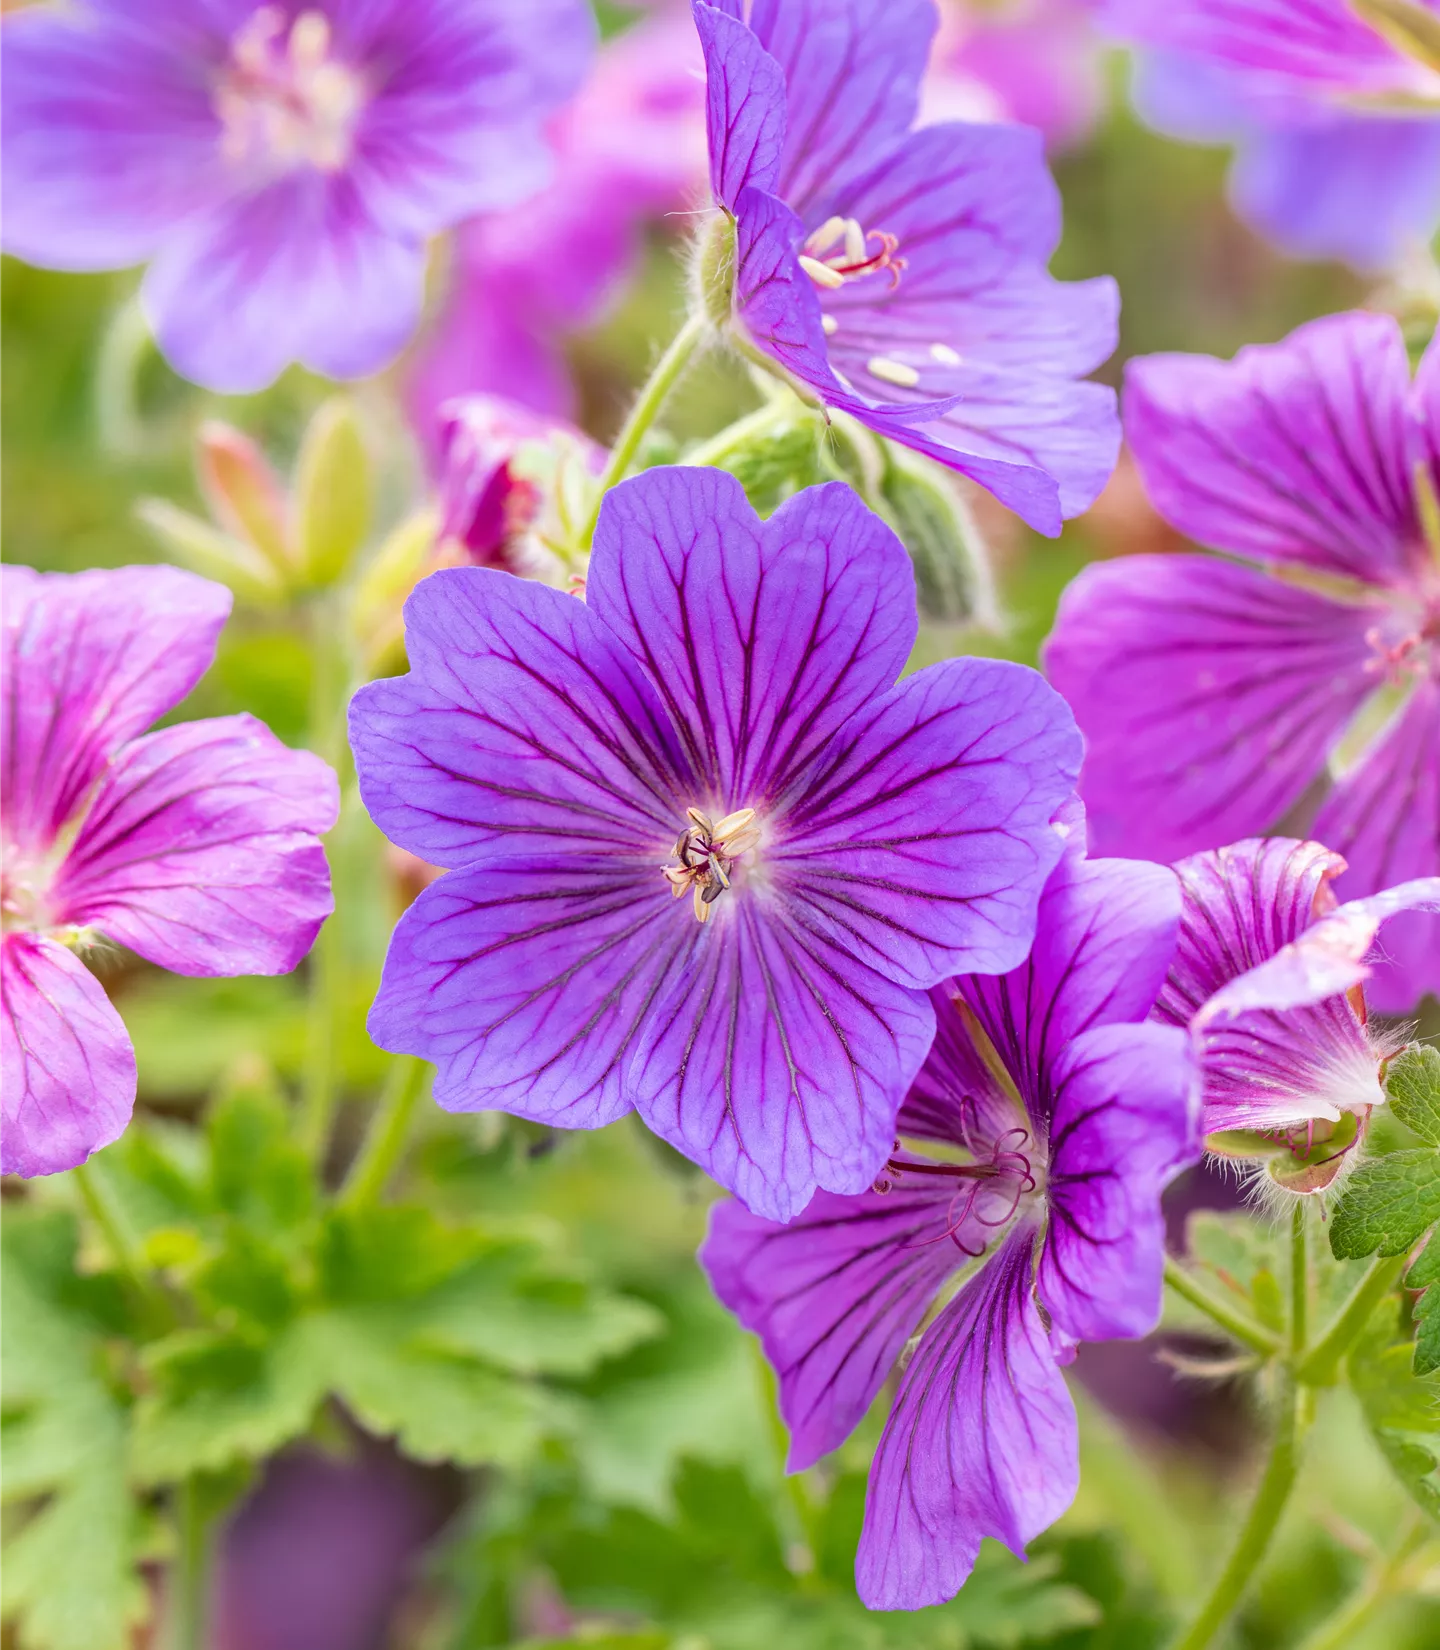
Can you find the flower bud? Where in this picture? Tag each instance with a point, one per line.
(245, 495)
(204, 549)
(952, 567)
(332, 494)
(714, 269)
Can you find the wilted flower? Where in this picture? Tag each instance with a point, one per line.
(279, 165)
(714, 733)
(196, 846)
(1334, 106)
(900, 275)
(1039, 1135)
(629, 148)
(1213, 694)
(1268, 975)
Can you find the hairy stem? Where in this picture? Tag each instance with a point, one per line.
(1323, 1360)
(643, 414)
(1239, 1325)
(1260, 1523)
(385, 1140)
(1299, 1280)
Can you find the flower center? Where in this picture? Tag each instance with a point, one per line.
(283, 100)
(840, 251)
(707, 854)
(24, 883)
(987, 1194)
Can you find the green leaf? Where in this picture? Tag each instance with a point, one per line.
(259, 1174)
(1424, 1274)
(1241, 1260)
(1413, 1085)
(1402, 1409)
(69, 1574)
(1386, 1205)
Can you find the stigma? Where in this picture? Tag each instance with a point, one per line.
(707, 854)
(284, 100)
(840, 250)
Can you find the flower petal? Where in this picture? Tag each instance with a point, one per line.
(1385, 819)
(981, 1442)
(523, 721)
(923, 840)
(1355, 187)
(852, 82)
(90, 660)
(1292, 452)
(777, 1062)
(1104, 940)
(109, 136)
(1209, 696)
(1126, 1120)
(744, 106)
(201, 850)
(1272, 1055)
(297, 271)
(456, 126)
(527, 981)
(691, 581)
(833, 1296)
(67, 1064)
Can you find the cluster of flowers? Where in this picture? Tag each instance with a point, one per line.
(834, 934)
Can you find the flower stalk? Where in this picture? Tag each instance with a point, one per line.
(1239, 1325)
(385, 1141)
(189, 1596)
(1320, 1365)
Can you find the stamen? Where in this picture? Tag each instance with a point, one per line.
(733, 824)
(829, 325)
(707, 854)
(829, 234)
(892, 372)
(946, 356)
(821, 274)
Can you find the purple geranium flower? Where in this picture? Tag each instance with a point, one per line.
(279, 165)
(845, 841)
(1337, 126)
(196, 846)
(900, 275)
(1213, 694)
(1269, 976)
(1061, 1116)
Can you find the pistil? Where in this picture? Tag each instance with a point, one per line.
(707, 853)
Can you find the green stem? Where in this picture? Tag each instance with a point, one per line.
(142, 1281)
(1235, 1323)
(1299, 1280)
(189, 1572)
(1323, 1360)
(385, 1140)
(1259, 1526)
(733, 436)
(646, 409)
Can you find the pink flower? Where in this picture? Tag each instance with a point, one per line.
(196, 846)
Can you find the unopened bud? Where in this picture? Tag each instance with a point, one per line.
(244, 493)
(922, 503)
(714, 268)
(332, 494)
(204, 549)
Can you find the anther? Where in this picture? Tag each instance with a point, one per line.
(892, 372)
(946, 356)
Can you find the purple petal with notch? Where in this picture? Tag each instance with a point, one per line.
(744, 106)
(981, 1441)
(65, 1056)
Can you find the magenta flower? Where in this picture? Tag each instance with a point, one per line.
(1269, 974)
(716, 732)
(1037, 62)
(900, 275)
(1337, 128)
(629, 148)
(280, 166)
(196, 846)
(1063, 1117)
(1214, 694)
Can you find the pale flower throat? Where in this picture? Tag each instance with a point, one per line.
(283, 100)
(707, 853)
